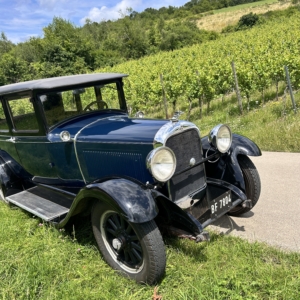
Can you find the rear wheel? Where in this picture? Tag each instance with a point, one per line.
(252, 184)
(136, 250)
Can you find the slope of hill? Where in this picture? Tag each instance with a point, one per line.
(221, 18)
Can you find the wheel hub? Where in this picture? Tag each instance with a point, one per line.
(117, 244)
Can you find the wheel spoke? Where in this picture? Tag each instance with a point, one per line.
(116, 220)
(113, 232)
(132, 257)
(136, 246)
(128, 229)
(122, 223)
(137, 255)
(133, 238)
(112, 224)
(126, 257)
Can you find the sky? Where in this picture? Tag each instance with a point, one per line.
(21, 19)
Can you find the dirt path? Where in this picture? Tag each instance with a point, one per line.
(276, 217)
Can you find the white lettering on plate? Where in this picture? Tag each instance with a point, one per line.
(222, 202)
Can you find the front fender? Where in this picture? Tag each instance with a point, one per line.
(227, 167)
(134, 201)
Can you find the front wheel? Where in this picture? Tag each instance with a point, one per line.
(137, 250)
(252, 184)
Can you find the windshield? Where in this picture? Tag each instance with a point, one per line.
(68, 103)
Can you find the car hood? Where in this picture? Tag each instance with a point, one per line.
(114, 129)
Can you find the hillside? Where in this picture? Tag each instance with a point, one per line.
(67, 49)
(219, 19)
(198, 80)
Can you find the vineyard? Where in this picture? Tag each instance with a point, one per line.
(194, 76)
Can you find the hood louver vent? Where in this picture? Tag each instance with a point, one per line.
(105, 163)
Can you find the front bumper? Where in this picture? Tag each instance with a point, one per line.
(208, 209)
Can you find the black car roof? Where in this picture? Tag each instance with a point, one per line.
(58, 82)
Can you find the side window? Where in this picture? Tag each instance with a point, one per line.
(3, 122)
(62, 105)
(23, 114)
(101, 97)
(53, 107)
(110, 95)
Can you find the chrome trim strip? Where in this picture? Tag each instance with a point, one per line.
(170, 129)
(57, 189)
(109, 142)
(75, 141)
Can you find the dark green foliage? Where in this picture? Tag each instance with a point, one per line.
(13, 69)
(248, 20)
(5, 44)
(67, 49)
(245, 22)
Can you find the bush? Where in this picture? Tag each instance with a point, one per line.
(248, 20)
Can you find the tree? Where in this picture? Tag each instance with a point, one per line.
(65, 49)
(5, 44)
(13, 69)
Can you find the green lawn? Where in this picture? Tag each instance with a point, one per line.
(39, 262)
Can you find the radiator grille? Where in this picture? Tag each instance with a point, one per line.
(186, 145)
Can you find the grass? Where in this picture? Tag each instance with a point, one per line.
(222, 18)
(39, 262)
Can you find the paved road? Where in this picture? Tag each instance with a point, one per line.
(276, 217)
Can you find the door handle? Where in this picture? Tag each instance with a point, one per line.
(12, 140)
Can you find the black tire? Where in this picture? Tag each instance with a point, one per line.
(252, 184)
(136, 250)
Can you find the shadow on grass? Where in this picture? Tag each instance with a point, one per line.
(80, 228)
(195, 251)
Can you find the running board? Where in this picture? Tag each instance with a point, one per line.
(43, 202)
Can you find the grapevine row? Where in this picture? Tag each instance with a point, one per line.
(204, 71)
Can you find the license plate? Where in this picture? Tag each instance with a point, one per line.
(221, 204)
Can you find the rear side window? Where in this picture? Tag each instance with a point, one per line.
(3, 122)
(23, 114)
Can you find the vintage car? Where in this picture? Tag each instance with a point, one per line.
(69, 148)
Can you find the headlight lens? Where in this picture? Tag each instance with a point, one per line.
(162, 163)
(221, 138)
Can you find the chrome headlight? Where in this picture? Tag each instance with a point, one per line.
(161, 163)
(220, 137)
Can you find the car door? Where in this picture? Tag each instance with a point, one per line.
(28, 136)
